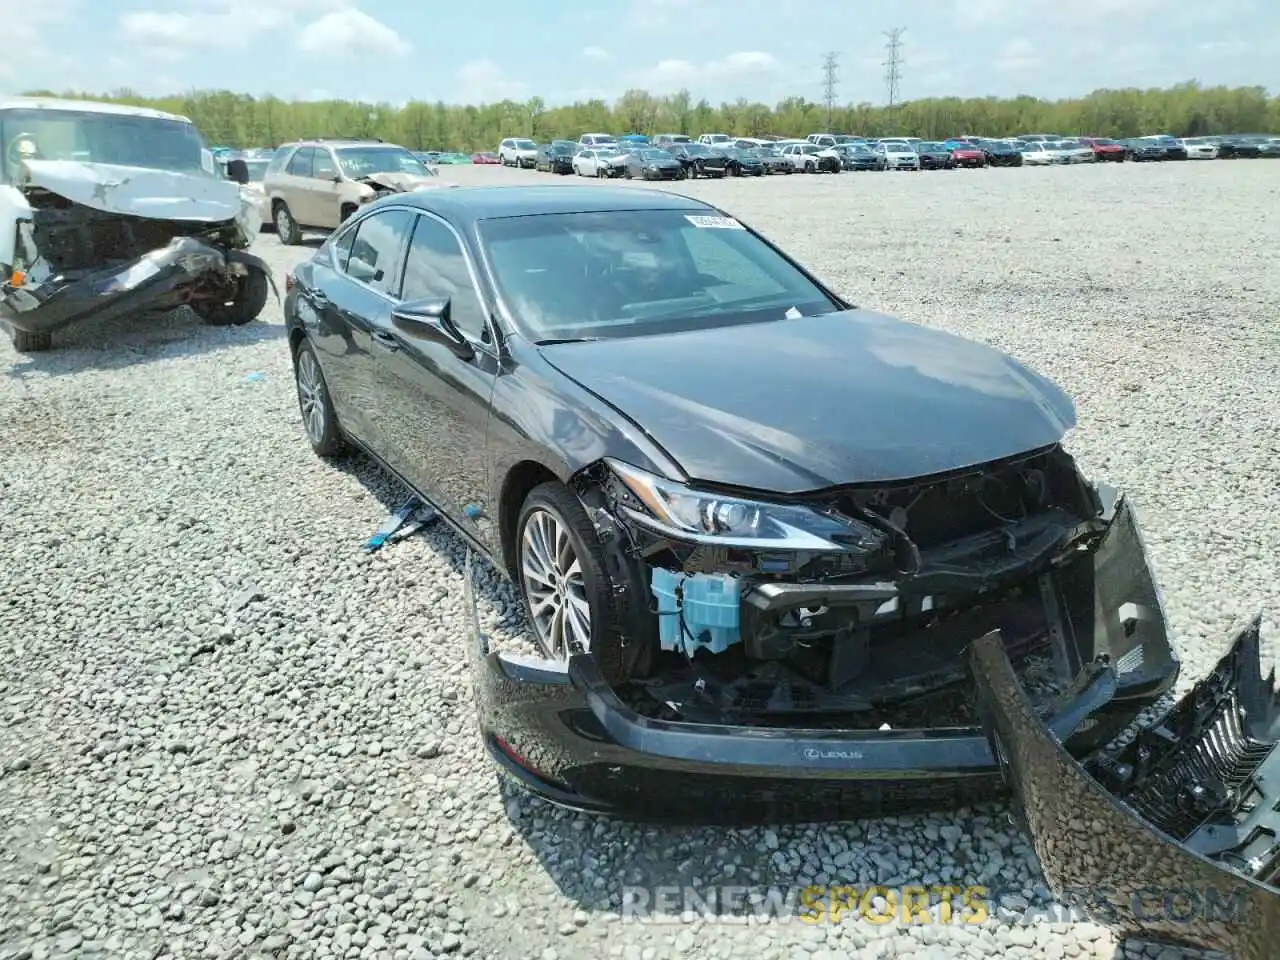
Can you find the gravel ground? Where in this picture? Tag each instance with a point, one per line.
(225, 732)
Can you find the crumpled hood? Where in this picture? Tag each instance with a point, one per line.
(401, 182)
(143, 192)
(798, 405)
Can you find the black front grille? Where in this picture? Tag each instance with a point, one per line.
(1198, 766)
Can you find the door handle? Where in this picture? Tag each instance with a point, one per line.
(385, 339)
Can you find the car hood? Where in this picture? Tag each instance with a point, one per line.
(798, 405)
(143, 192)
(400, 182)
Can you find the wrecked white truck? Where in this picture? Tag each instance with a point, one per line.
(110, 210)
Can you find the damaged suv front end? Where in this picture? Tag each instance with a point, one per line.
(107, 211)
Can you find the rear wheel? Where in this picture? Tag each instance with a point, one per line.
(563, 581)
(315, 405)
(287, 228)
(26, 342)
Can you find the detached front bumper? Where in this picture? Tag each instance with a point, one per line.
(156, 281)
(565, 734)
(1174, 838)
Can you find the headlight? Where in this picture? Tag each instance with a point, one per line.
(682, 513)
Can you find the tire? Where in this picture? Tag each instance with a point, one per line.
(24, 341)
(811, 167)
(571, 525)
(314, 404)
(252, 289)
(602, 173)
(286, 227)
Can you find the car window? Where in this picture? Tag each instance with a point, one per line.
(376, 247)
(339, 245)
(630, 273)
(300, 165)
(279, 159)
(323, 167)
(436, 267)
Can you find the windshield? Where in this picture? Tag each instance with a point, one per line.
(631, 273)
(697, 149)
(766, 151)
(563, 149)
(930, 147)
(654, 156)
(90, 137)
(357, 162)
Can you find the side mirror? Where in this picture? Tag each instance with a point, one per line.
(430, 319)
(238, 171)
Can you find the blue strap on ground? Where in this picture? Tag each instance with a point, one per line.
(414, 514)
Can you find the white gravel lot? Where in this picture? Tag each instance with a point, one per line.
(224, 732)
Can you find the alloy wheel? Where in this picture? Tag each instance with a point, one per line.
(284, 223)
(554, 585)
(311, 400)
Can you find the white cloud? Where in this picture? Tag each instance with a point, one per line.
(483, 81)
(595, 53)
(1018, 55)
(229, 24)
(27, 55)
(654, 15)
(351, 33)
(668, 76)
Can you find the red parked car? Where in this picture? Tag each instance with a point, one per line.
(1104, 149)
(968, 155)
(485, 158)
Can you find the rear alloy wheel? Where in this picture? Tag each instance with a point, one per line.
(566, 592)
(248, 296)
(286, 227)
(315, 405)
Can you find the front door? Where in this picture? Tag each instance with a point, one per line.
(438, 400)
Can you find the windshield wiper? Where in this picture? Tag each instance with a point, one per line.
(554, 340)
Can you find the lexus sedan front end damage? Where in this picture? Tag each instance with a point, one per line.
(102, 231)
(1173, 837)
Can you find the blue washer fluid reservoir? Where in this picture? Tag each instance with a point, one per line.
(697, 611)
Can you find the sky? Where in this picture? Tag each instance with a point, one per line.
(563, 50)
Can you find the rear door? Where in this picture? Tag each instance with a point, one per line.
(438, 400)
(353, 304)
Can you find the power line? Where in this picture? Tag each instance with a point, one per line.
(830, 63)
(893, 66)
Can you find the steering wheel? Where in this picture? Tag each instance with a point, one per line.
(15, 154)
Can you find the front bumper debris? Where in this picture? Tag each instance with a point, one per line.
(1174, 837)
(566, 734)
(157, 280)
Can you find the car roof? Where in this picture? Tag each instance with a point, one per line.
(469, 204)
(88, 106)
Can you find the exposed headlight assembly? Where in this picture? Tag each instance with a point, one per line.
(694, 516)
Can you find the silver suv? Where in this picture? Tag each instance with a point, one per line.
(317, 184)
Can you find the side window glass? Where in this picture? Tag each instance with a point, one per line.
(340, 248)
(300, 165)
(324, 168)
(436, 267)
(376, 246)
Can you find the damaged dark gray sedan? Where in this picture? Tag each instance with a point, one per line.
(783, 557)
(109, 210)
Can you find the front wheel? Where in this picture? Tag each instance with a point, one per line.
(315, 405)
(564, 584)
(246, 297)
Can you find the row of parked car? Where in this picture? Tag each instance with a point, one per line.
(676, 156)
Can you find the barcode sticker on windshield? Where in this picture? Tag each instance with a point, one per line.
(715, 223)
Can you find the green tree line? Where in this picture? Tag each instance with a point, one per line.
(1187, 109)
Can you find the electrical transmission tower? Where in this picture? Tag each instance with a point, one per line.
(893, 66)
(830, 62)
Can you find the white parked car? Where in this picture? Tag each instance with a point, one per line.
(811, 158)
(598, 140)
(599, 162)
(1198, 148)
(1039, 153)
(898, 155)
(1075, 151)
(716, 139)
(518, 152)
